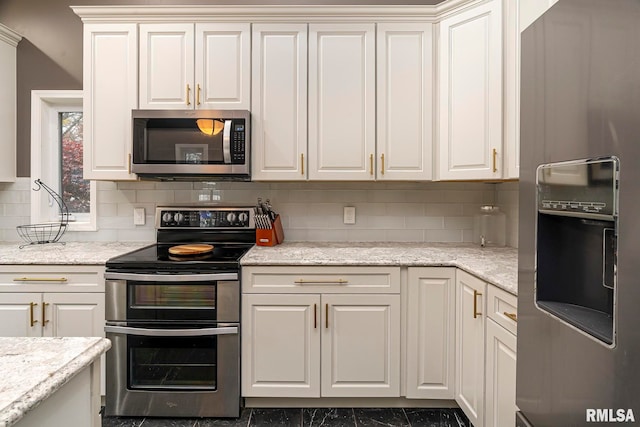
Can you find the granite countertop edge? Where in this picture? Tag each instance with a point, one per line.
(14, 412)
(497, 266)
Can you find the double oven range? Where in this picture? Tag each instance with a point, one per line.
(174, 319)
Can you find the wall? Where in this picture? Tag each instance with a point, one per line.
(408, 212)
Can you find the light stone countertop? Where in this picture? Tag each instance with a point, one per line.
(87, 253)
(32, 369)
(498, 266)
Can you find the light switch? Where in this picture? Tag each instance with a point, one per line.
(349, 215)
(138, 216)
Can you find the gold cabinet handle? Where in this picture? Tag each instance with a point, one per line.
(495, 155)
(302, 163)
(32, 321)
(129, 164)
(371, 164)
(198, 94)
(188, 94)
(321, 282)
(326, 316)
(476, 294)
(44, 313)
(382, 163)
(40, 279)
(315, 316)
(512, 316)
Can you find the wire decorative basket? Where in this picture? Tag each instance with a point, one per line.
(50, 232)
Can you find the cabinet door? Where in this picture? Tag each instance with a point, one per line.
(470, 318)
(8, 70)
(20, 315)
(501, 377)
(166, 66)
(360, 345)
(110, 70)
(404, 100)
(279, 102)
(430, 333)
(470, 106)
(341, 101)
(73, 314)
(222, 66)
(511, 45)
(280, 345)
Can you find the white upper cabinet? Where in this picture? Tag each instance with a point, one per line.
(511, 49)
(279, 101)
(202, 66)
(110, 79)
(166, 66)
(470, 104)
(405, 101)
(8, 43)
(342, 101)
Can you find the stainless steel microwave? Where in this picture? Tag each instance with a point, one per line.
(192, 144)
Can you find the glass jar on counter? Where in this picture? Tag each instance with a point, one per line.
(489, 226)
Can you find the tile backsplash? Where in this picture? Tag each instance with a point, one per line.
(311, 211)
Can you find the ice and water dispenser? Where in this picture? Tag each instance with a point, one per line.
(576, 243)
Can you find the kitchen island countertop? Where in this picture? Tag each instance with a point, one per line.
(32, 369)
(78, 253)
(498, 266)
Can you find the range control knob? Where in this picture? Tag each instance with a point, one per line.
(231, 217)
(178, 217)
(243, 217)
(167, 217)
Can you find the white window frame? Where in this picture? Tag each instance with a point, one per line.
(45, 155)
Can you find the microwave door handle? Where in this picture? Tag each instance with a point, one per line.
(231, 330)
(226, 142)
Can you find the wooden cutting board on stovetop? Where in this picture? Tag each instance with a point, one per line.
(190, 249)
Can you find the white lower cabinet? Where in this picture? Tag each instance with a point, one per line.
(50, 314)
(500, 402)
(320, 344)
(430, 331)
(52, 301)
(470, 336)
(500, 370)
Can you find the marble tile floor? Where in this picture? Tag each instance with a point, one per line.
(311, 417)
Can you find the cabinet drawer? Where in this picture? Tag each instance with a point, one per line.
(323, 279)
(51, 278)
(502, 307)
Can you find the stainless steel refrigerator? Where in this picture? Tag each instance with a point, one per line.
(579, 245)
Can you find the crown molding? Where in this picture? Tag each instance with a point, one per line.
(9, 36)
(262, 13)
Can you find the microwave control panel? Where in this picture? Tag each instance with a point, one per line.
(238, 140)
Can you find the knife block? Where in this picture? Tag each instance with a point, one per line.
(270, 236)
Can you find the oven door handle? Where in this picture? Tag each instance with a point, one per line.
(171, 277)
(230, 330)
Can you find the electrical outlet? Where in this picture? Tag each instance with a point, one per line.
(138, 216)
(349, 215)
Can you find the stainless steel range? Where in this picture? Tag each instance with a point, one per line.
(173, 316)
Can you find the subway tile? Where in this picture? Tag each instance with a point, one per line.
(106, 185)
(366, 235)
(405, 209)
(145, 234)
(458, 223)
(385, 196)
(136, 185)
(425, 222)
(155, 196)
(295, 235)
(443, 209)
(185, 186)
(117, 196)
(464, 196)
(404, 236)
(107, 209)
(319, 235)
(371, 209)
(447, 236)
(17, 209)
(384, 222)
(308, 221)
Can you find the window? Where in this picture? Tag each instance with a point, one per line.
(56, 159)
